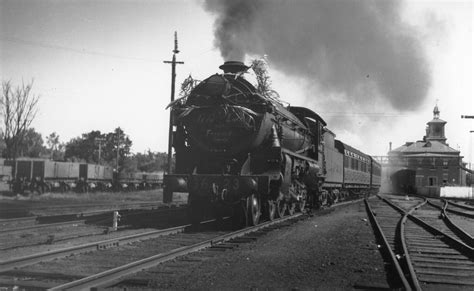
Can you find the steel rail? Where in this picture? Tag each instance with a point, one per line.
(453, 243)
(458, 212)
(82, 214)
(462, 247)
(45, 256)
(408, 260)
(4, 222)
(414, 280)
(112, 275)
(110, 209)
(38, 226)
(454, 227)
(378, 228)
(103, 208)
(455, 204)
(85, 205)
(453, 240)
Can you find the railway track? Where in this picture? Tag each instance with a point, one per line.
(47, 234)
(17, 222)
(460, 221)
(460, 209)
(83, 209)
(110, 265)
(37, 237)
(32, 221)
(16, 263)
(387, 224)
(39, 226)
(426, 253)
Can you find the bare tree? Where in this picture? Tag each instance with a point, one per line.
(56, 147)
(18, 108)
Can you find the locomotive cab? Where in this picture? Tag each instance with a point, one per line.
(315, 125)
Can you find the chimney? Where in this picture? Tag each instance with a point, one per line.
(233, 67)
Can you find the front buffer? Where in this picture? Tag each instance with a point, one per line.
(216, 196)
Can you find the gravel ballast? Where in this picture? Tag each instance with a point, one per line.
(334, 249)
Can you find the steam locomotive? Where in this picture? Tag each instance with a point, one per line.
(243, 153)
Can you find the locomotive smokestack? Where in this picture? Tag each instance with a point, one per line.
(233, 67)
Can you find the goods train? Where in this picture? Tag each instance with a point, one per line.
(42, 175)
(242, 152)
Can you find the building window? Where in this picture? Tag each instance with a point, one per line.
(432, 181)
(445, 179)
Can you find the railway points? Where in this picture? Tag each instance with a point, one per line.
(428, 253)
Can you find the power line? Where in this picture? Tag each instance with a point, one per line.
(71, 49)
(372, 114)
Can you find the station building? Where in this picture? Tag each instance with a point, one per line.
(424, 166)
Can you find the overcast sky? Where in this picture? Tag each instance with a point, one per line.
(98, 65)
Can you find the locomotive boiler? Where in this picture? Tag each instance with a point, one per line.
(242, 152)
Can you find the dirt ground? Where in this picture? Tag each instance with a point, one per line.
(334, 249)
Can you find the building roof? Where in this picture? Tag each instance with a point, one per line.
(431, 155)
(424, 147)
(437, 120)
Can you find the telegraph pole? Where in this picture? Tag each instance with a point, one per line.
(470, 145)
(118, 150)
(173, 63)
(99, 140)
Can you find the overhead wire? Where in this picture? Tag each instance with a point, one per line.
(96, 53)
(72, 49)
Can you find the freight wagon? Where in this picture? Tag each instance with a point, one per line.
(42, 175)
(139, 181)
(5, 175)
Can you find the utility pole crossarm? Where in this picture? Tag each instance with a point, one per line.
(467, 116)
(171, 62)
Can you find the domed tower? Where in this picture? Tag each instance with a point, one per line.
(435, 128)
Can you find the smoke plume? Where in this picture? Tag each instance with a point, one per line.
(345, 48)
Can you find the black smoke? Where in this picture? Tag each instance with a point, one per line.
(348, 48)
